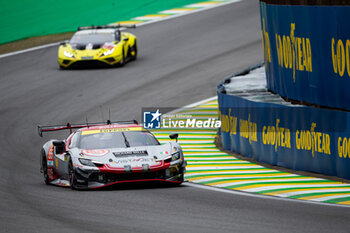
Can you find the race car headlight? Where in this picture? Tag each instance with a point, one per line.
(68, 54)
(108, 52)
(175, 156)
(86, 162)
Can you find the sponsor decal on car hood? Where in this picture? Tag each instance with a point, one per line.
(132, 156)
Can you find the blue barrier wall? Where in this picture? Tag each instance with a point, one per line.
(307, 52)
(296, 137)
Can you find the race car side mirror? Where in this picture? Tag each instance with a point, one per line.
(174, 136)
(60, 146)
(63, 42)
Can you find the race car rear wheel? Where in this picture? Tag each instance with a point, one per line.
(44, 168)
(71, 175)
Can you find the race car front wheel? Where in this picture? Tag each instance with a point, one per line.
(72, 176)
(133, 49)
(181, 178)
(123, 61)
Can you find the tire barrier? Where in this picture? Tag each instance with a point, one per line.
(297, 137)
(307, 50)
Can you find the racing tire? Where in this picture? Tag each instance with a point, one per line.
(61, 67)
(44, 169)
(133, 48)
(123, 61)
(72, 176)
(181, 179)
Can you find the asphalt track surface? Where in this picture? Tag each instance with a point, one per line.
(180, 62)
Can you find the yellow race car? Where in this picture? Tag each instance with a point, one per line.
(98, 46)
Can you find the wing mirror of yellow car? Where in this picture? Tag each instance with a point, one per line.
(126, 39)
(63, 42)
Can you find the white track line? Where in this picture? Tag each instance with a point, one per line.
(316, 192)
(138, 25)
(218, 172)
(29, 50)
(200, 180)
(234, 192)
(282, 186)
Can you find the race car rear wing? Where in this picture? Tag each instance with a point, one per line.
(70, 127)
(118, 26)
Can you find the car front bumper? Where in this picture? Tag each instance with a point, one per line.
(106, 61)
(89, 179)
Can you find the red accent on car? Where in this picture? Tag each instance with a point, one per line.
(136, 181)
(95, 153)
(50, 153)
(52, 173)
(110, 169)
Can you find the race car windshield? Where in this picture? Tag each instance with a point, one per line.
(94, 38)
(117, 140)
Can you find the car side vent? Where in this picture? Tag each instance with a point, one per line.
(98, 164)
(168, 160)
